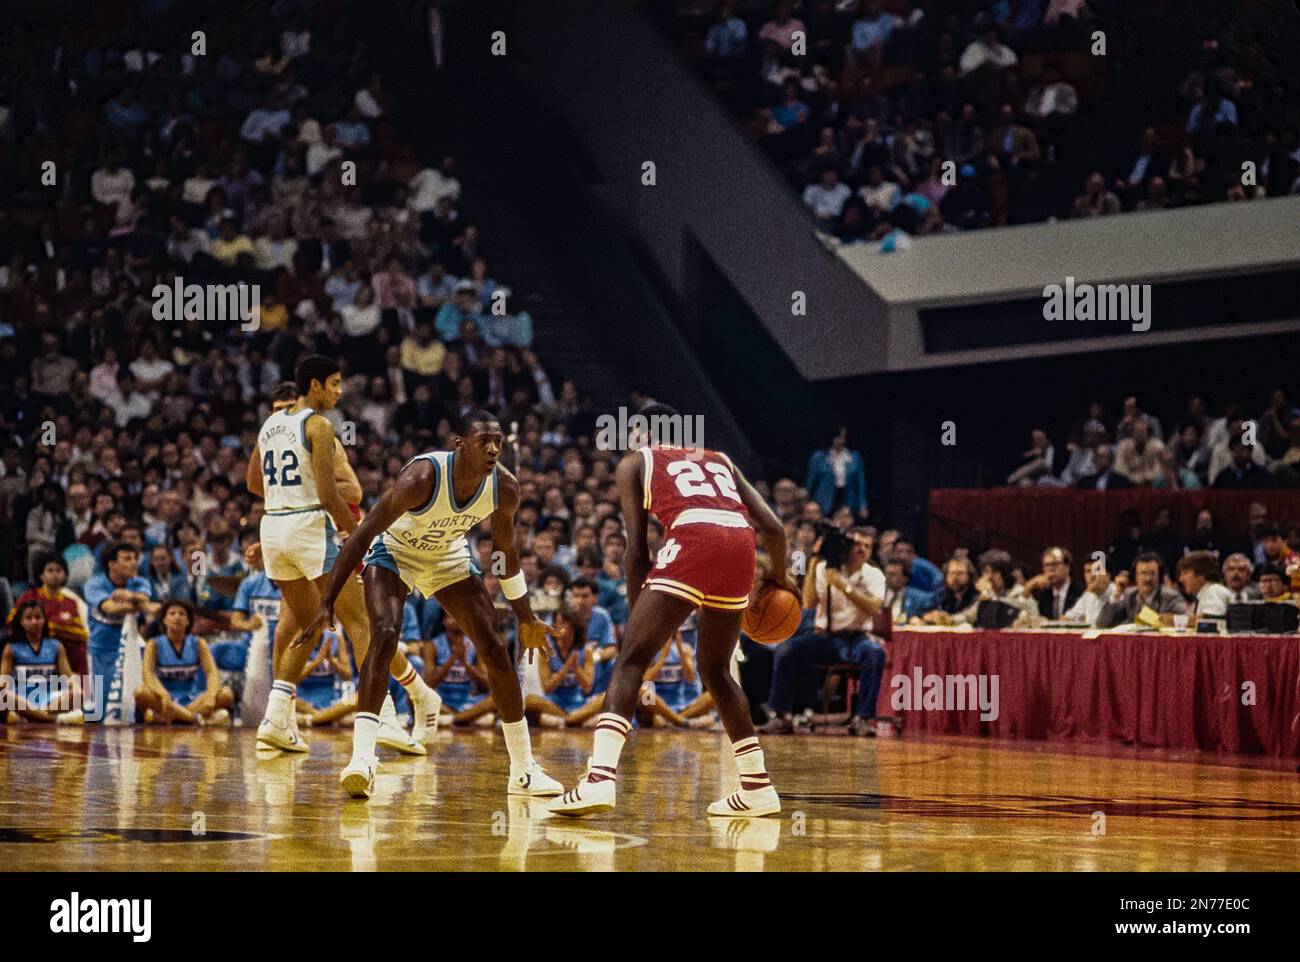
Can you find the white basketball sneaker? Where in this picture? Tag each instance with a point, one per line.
(392, 735)
(533, 781)
(285, 736)
(358, 779)
(743, 804)
(586, 798)
(425, 706)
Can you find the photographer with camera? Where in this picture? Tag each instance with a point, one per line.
(845, 592)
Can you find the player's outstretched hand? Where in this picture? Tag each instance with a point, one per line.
(533, 635)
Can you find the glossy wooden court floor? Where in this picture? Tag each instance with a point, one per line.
(168, 799)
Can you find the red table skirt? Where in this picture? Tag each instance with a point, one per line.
(1026, 520)
(1182, 692)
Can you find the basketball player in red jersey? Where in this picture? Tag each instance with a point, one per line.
(706, 562)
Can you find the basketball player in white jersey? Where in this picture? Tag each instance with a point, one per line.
(425, 722)
(293, 468)
(416, 535)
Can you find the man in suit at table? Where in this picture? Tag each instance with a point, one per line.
(1105, 478)
(1148, 591)
(1054, 588)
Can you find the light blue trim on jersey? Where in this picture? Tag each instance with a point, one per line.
(331, 545)
(311, 507)
(451, 486)
(495, 500)
(302, 428)
(437, 479)
(379, 556)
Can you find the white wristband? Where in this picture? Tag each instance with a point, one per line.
(515, 586)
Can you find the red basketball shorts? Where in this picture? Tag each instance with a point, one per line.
(708, 564)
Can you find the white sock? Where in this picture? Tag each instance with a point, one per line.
(365, 726)
(518, 744)
(279, 706)
(750, 764)
(611, 734)
(413, 683)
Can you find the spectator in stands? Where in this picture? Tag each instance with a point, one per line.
(1054, 588)
(1147, 591)
(180, 680)
(1243, 474)
(881, 196)
(836, 476)
(1274, 584)
(1053, 97)
(728, 35)
(1237, 572)
(925, 576)
(1082, 462)
(826, 197)
(1127, 543)
(869, 35)
(987, 53)
(1150, 164)
(1038, 460)
(791, 112)
(112, 183)
(64, 610)
(166, 579)
(783, 26)
(1104, 477)
(844, 593)
(996, 583)
(1133, 413)
(1190, 452)
(48, 528)
(903, 602)
(35, 669)
(1096, 200)
(1197, 572)
(1274, 549)
(1172, 476)
(957, 594)
(1138, 455)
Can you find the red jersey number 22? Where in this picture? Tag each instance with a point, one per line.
(691, 481)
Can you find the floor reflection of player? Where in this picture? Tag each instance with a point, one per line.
(706, 562)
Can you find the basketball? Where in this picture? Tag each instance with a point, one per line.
(773, 616)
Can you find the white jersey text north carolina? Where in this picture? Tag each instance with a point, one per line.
(427, 547)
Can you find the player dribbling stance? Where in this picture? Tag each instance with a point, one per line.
(416, 539)
(706, 562)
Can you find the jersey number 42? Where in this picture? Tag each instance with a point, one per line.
(287, 473)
